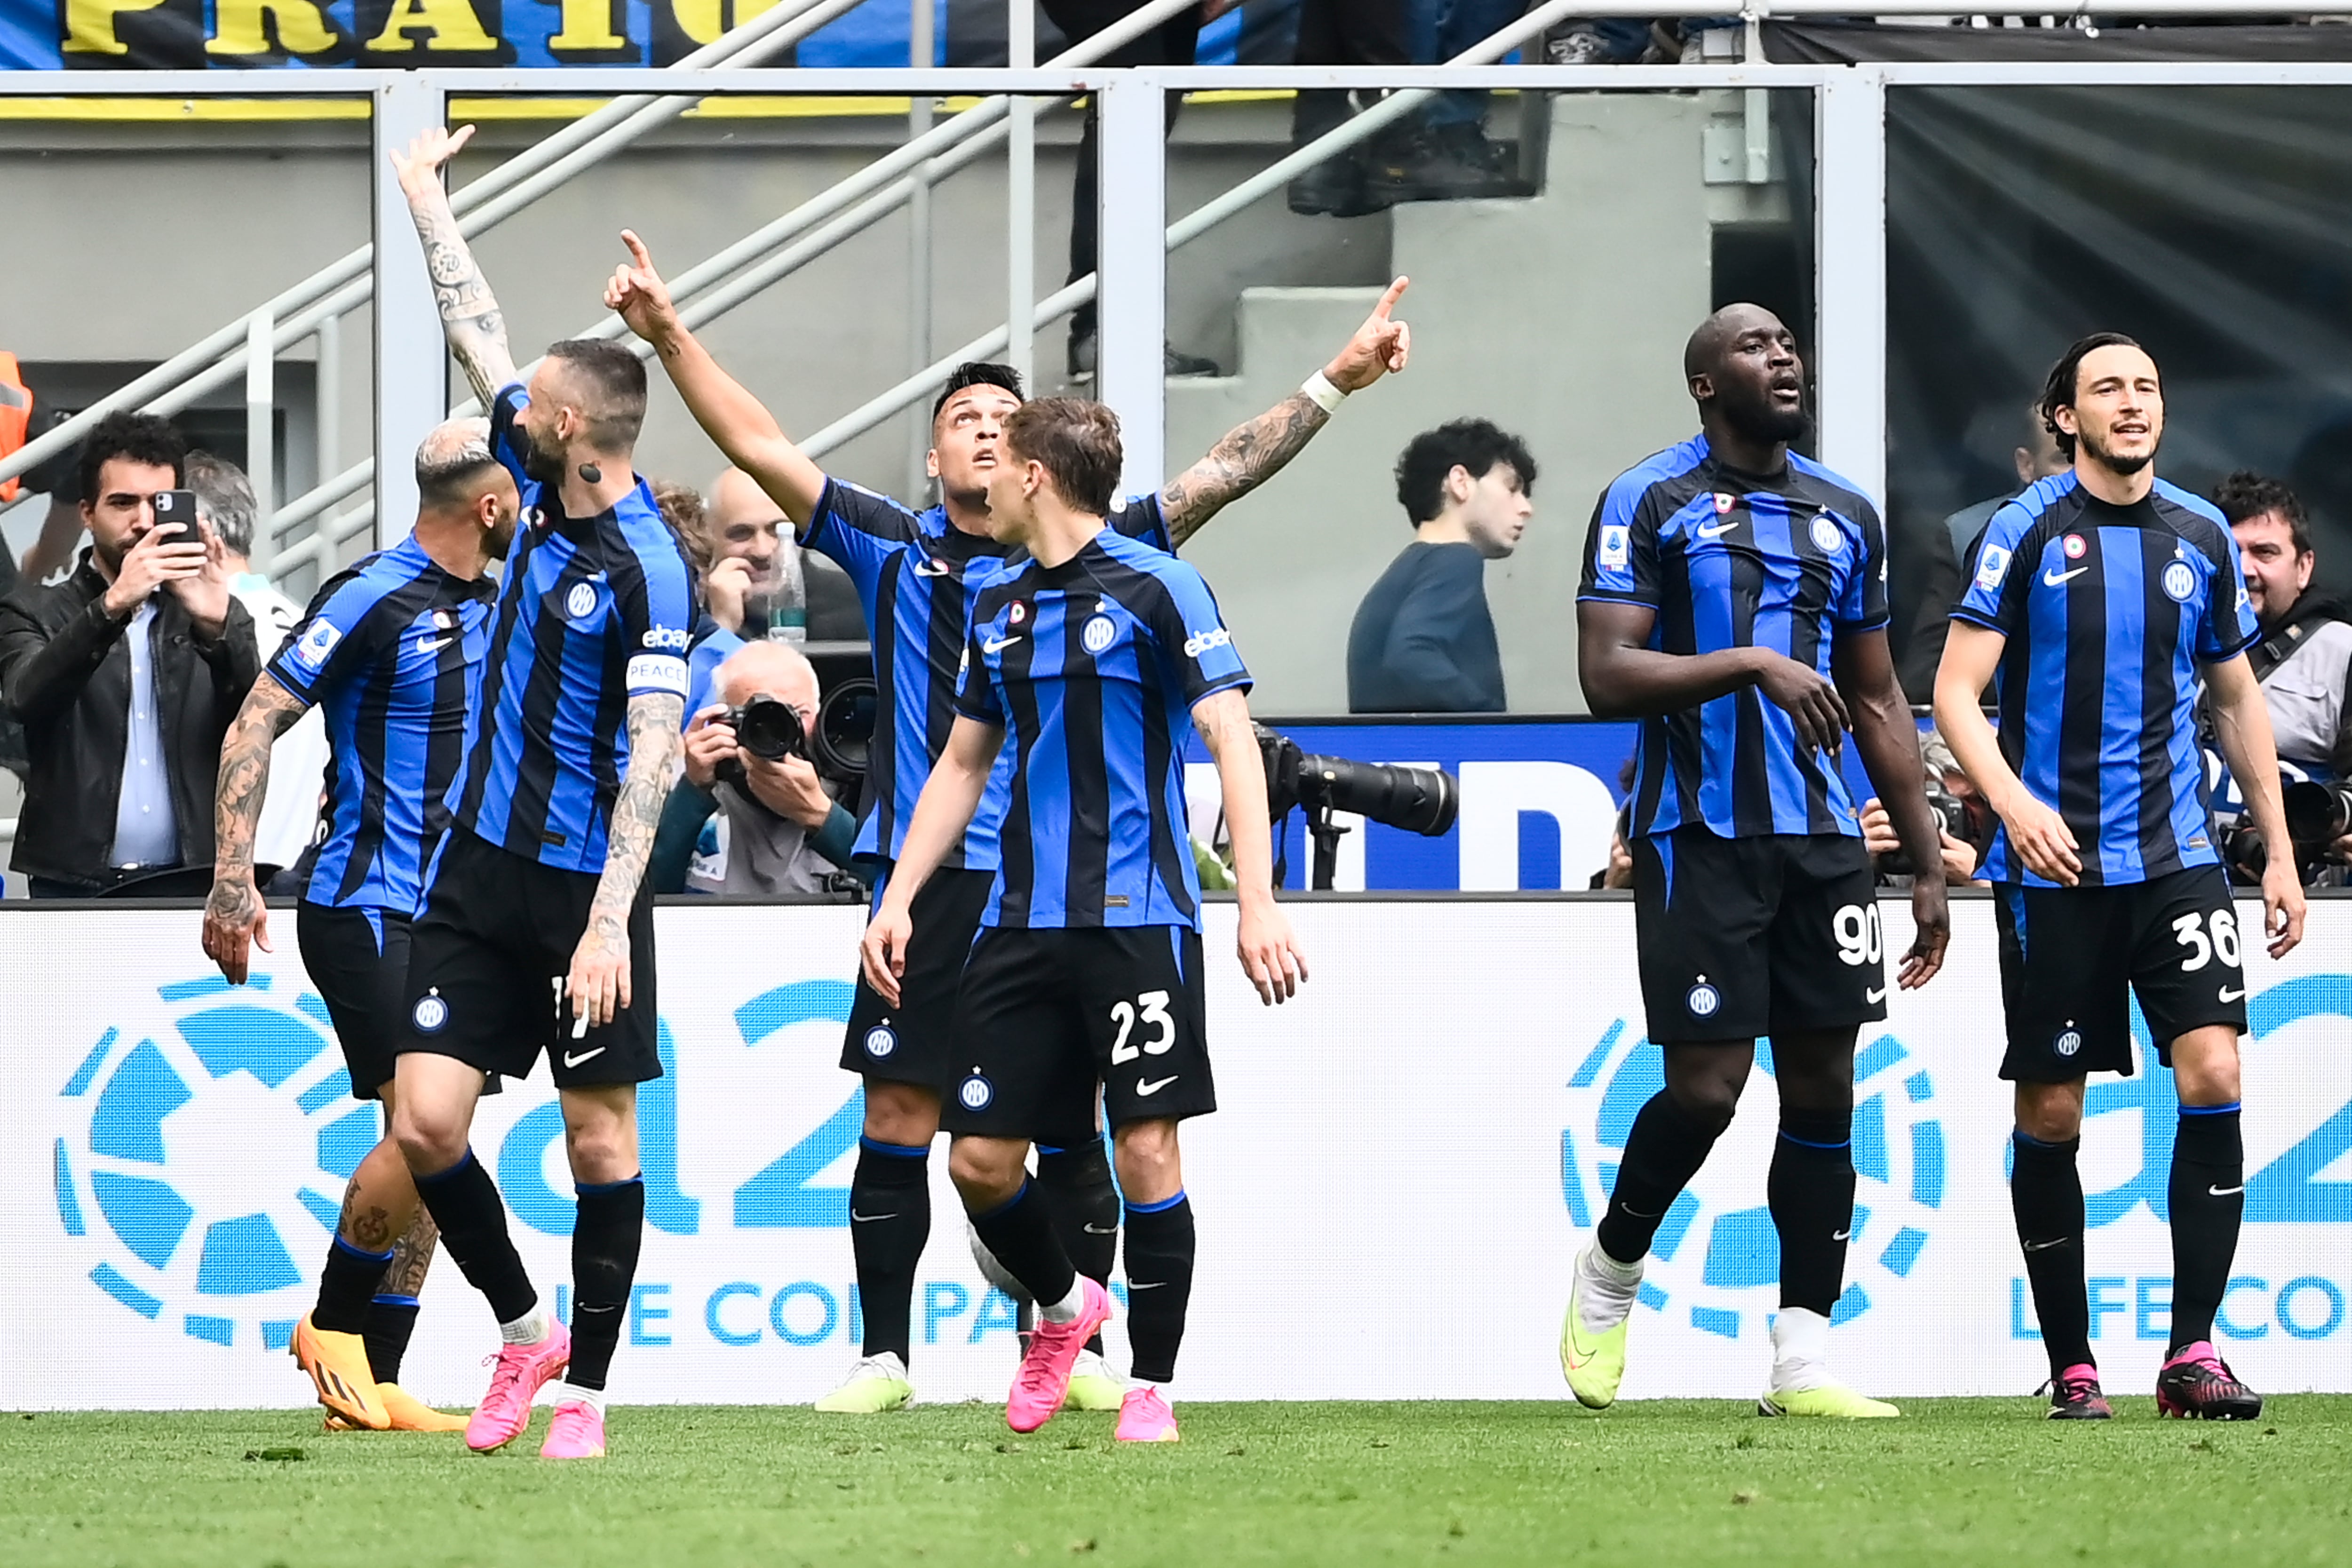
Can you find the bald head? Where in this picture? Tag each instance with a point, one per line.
(742, 521)
(461, 486)
(775, 668)
(1743, 371)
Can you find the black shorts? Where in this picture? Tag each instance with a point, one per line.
(1775, 934)
(2071, 958)
(915, 1041)
(486, 960)
(358, 962)
(1047, 1016)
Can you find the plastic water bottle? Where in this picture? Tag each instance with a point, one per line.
(788, 601)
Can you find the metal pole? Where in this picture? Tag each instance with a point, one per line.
(922, 53)
(1021, 197)
(411, 378)
(260, 444)
(1131, 319)
(1850, 351)
(327, 401)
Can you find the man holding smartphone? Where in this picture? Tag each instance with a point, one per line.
(125, 675)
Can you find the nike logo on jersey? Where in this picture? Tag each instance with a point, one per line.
(2052, 579)
(1843, 1235)
(2044, 1246)
(572, 1061)
(2230, 995)
(1716, 530)
(998, 645)
(433, 644)
(1153, 1085)
(933, 567)
(1876, 996)
(2227, 1191)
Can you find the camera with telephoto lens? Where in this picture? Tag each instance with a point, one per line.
(1952, 816)
(1413, 800)
(767, 727)
(2317, 815)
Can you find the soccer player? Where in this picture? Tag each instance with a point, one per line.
(390, 649)
(2097, 599)
(916, 574)
(1090, 647)
(1735, 600)
(537, 929)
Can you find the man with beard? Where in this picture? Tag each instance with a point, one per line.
(1735, 601)
(389, 653)
(2097, 597)
(537, 929)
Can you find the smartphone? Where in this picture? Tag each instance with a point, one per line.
(178, 506)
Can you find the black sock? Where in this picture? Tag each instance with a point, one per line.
(890, 1222)
(1159, 1248)
(605, 1242)
(1663, 1153)
(390, 1321)
(465, 1203)
(344, 1286)
(1811, 1191)
(1020, 1234)
(2046, 1192)
(2208, 1192)
(1076, 1186)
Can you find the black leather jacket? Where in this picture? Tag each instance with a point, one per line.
(65, 674)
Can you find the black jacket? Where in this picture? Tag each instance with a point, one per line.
(65, 675)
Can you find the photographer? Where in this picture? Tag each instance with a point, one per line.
(125, 677)
(746, 761)
(1964, 821)
(2306, 652)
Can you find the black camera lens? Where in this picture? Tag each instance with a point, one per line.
(1413, 800)
(767, 727)
(843, 741)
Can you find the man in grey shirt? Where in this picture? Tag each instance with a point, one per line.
(1424, 640)
(2304, 658)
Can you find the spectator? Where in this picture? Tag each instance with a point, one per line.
(2306, 653)
(1174, 42)
(739, 539)
(57, 476)
(298, 762)
(1404, 162)
(2036, 458)
(125, 677)
(1946, 784)
(1424, 641)
(1455, 123)
(777, 829)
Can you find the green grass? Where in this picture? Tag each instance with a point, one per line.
(1669, 1485)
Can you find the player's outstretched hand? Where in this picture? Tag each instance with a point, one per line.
(599, 983)
(1809, 699)
(1381, 346)
(422, 166)
(883, 950)
(2282, 905)
(236, 922)
(639, 295)
(2044, 841)
(1931, 915)
(1270, 953)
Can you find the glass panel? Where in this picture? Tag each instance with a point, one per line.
(2018, 219)
(1592, 232)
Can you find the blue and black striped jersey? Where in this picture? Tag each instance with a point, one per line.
(392, 650)
(1727, 560)
(593, 612)
(916, 574)
(2108, 612)
(1093, 667)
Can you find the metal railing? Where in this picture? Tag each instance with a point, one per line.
(649, 99)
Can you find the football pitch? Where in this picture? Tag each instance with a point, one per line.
(1678, 1483)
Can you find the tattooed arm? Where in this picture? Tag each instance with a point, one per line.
(1255, 452)
(470, 312)
(599, 986)
(236, 919)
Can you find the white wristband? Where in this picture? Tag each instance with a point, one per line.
(1324, 393)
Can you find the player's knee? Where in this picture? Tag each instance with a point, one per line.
(2205, 1066)
(1710, 1099)
(1150, 1166)
(986, 1171)
(430, 1139)
(901, 1114)
(2050, 1112)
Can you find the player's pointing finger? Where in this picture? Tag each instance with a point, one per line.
(1388, 301)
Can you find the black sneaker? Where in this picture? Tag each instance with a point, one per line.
(2197, 1383)
(1336, 188)
(1173, 361)
(1414, 166)
(2074, 1396)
